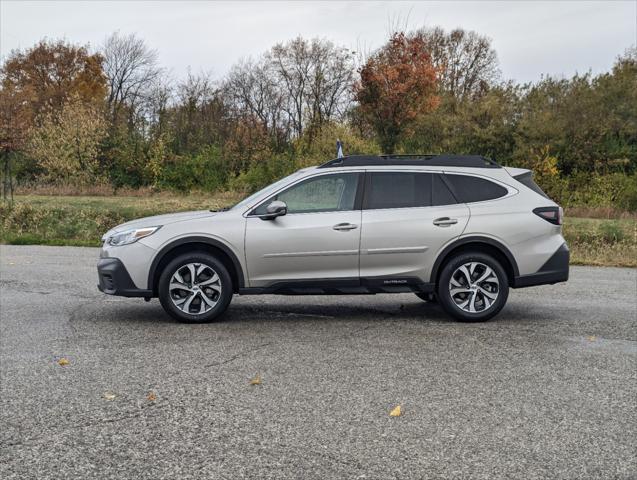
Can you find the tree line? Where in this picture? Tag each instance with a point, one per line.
(76, 116)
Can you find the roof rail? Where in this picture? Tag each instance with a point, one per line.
(443, 160)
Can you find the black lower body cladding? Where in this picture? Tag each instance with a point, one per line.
(114, 279)
(555, 270)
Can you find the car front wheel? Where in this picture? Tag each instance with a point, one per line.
(473, 287)
(195, 288)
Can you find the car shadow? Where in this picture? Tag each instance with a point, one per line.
(306, 309)
(273, 309)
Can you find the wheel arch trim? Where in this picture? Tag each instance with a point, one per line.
(459, 242)
(161, 253)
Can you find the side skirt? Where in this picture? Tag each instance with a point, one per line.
(343, 286)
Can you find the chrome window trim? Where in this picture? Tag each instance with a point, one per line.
(511, 191)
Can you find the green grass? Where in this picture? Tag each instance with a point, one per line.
(81, 220)
(134, 206)
(595, 241)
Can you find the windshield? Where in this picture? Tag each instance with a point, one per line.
(264, 191)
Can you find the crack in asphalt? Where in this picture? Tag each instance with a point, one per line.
(56, 429)
(238, 355)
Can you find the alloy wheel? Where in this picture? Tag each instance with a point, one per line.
(474, 287)
(195, 288)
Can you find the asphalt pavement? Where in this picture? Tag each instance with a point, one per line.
(547, 389)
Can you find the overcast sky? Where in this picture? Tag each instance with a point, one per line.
(531, 38)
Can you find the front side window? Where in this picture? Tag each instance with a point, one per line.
(270, 188)
(398, 190)
(326, 193)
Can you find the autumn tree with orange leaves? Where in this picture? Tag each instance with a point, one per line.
(45, 76)
(36, 84)
(397, 84)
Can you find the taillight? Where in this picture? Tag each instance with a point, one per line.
(550, 214)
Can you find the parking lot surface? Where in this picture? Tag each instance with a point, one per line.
(547, 389)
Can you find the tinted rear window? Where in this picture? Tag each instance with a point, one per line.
(441, 194)
(473, 189)
(526, 179)
(398, 190)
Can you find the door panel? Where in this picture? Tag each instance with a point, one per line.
(319, 237)
(402, 232)
(405, 242)
(303, 246)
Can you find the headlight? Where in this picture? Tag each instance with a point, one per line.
(130, 236)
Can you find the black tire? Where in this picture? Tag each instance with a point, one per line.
(221, 298)
(428, 297)
(501, 288)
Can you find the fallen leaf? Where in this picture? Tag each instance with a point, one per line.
(151, 397)
(592, 338)
(63, 361)
(256, 380)
(109, 396)
(396, 412)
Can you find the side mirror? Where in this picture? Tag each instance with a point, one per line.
(275, 209)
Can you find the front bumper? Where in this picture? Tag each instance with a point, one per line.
(555, 270)
(115, 280)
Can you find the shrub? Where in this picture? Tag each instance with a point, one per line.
(586, 189)
(262, 174)
(19, 216)
(611, 232)
(322, 146)
(627, 196)
(203, 171)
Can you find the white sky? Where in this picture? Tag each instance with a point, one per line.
(531, 38)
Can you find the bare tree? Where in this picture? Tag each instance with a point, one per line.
(252, 88)
(158, 102)
(466, 61)
(315, 77)
(293, 86)
(292, 66)
(199, 112)
(131, 68)
(333, 74)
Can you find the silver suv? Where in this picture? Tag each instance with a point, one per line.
(459, 230)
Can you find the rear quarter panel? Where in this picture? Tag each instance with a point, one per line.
(511, 221)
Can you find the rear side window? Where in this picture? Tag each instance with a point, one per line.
(398, 190)
(473, 189)
(526, 179)
(441, 194)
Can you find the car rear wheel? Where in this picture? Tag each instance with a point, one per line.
(195, 288)
(473, 287)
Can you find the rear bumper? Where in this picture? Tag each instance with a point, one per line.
(115, 280)
(555, 270)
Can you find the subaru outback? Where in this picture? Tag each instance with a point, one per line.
(457, 230)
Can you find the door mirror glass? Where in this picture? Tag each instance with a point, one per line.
(276, 208)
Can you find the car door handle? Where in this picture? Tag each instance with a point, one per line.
(445, 221)
(344, 226)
